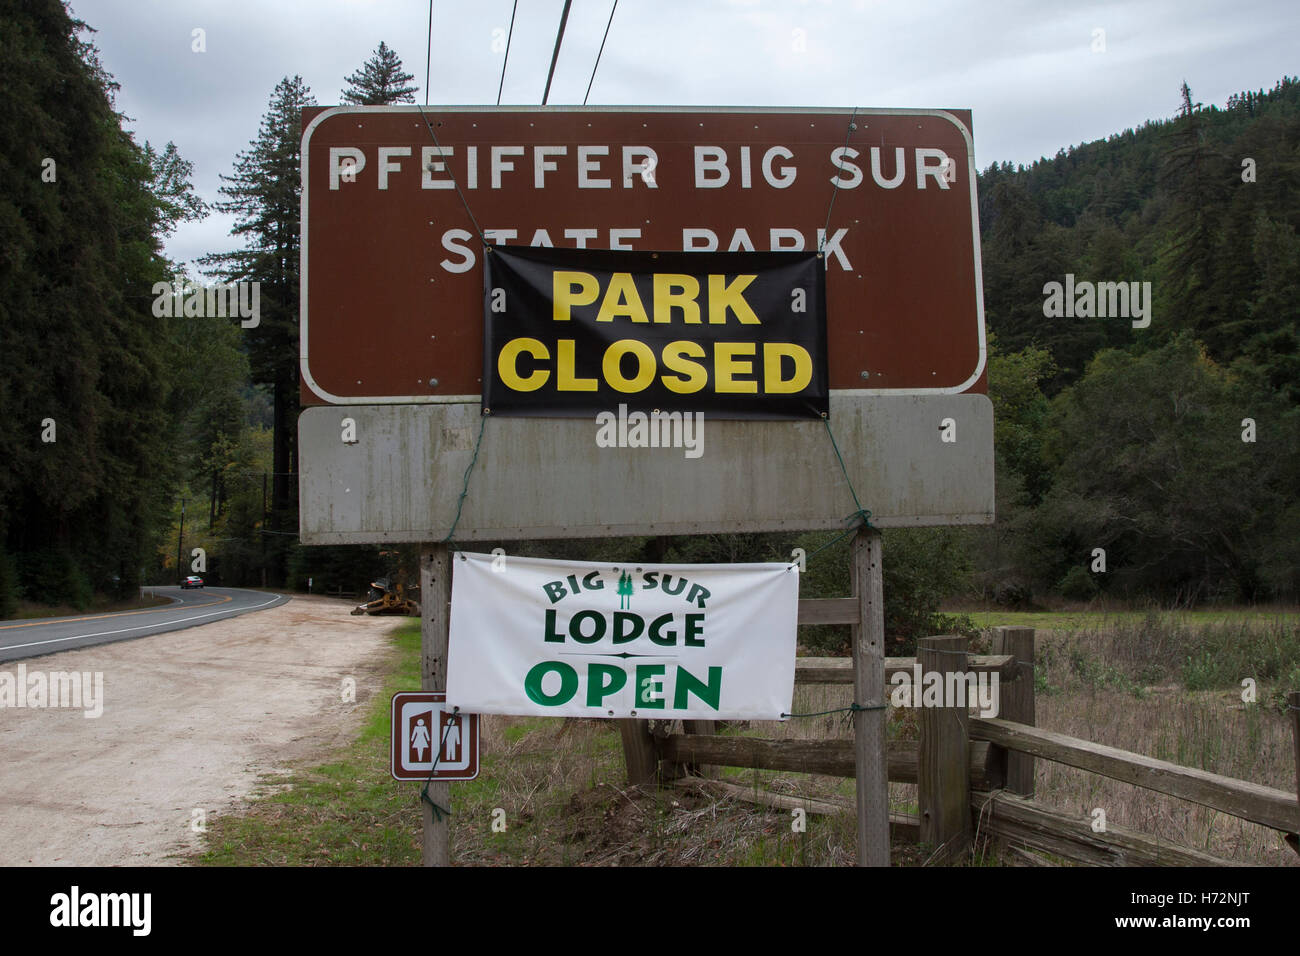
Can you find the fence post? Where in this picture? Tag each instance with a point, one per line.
(943, 765)
(638, 751)
(705, 728)
(1293, 699)
(1016, 702)
(870, 761)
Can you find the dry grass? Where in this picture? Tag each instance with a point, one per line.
(560, 784)
(1127, 686)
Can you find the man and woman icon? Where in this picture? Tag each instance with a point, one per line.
(450, 740)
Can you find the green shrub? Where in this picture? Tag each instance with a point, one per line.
(53, 576)
(9, 592)
(1079, 584)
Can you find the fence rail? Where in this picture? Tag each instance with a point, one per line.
(839, 670)
(1250, 801)
(973, 774)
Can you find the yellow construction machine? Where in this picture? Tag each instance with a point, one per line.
(385, 597)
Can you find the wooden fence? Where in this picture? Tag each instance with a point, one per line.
(972, 774)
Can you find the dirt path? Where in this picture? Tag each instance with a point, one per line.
(190, 721)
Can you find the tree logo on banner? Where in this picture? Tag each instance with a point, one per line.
(625, 589)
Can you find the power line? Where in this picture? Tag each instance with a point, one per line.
(428, 55)
(507, 59)
(555, 55)
(598, 53)
(463, 201)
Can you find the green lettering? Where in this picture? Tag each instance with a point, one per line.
(621, 634)
(694, 627)
(688, 683)
(598, 688)
(649, 691)
(568, 683)
(575, 627)
(656, 626)
(552, 635)
(698, 594)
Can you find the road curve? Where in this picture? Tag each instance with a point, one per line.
(189, 608)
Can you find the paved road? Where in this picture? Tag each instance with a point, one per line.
(31, 638)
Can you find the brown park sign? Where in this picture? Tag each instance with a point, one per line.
(392, 267)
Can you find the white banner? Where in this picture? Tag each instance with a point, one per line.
(579, 639)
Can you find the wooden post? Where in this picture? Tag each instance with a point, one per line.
(435, 619)
(1016, 702)
(1293, 699)
(638, 751)
(705, 728)
(943, 769)
(870, 762)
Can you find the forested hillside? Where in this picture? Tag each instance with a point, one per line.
(1152, 456)
(91, 421)
(1203, 206)
(1172, 445)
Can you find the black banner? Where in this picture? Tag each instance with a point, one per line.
(573, 332)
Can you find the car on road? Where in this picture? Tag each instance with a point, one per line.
(193, 581)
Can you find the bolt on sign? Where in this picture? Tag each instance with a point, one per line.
(582, 639)
(732, 335)
(392, 281)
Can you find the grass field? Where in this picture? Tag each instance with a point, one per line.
(1075, 619)
(553, 791)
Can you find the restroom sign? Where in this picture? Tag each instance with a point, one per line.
(430, 741)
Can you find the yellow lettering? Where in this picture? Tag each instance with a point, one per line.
(628, 301)
(507, 365)
(569, 289)
(675, 360)
(611, 365)
(773, 383)
(565, 378)
(676, 291)
(723, 297)
(727, 365)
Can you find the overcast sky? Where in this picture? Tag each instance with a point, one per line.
(1038, 75)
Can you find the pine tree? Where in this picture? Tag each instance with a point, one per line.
(380, 81)
(1194, 175)
(83, 213)
(264, 195)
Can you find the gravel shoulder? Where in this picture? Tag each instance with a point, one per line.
(191, 721)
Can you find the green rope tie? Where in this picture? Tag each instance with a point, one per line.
(439, 812)
(861, 513)
(852, 708)
(464, 489)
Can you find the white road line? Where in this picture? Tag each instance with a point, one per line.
(142, 627)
